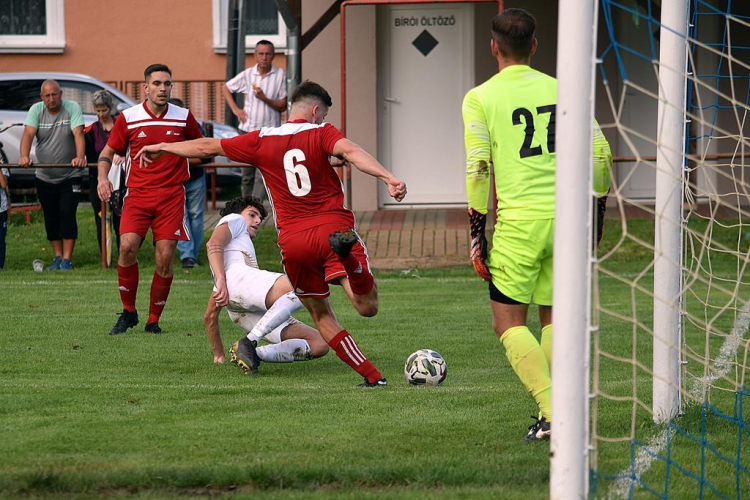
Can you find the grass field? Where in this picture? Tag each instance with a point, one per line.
(86, 415)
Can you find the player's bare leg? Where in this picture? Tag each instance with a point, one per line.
(161, 282)
(367, 304)
(359, 282)
(127, 278)
(528, 361)
(341, 342)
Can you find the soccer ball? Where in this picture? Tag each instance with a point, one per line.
(425, 367)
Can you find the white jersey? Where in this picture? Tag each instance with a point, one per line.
(240, 248)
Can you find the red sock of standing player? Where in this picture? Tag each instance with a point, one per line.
(127, 278)
(347, 350)
(360, 277)
(160, 287)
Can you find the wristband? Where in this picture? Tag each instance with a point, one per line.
(105, 159)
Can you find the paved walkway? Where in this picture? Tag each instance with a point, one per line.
(406, 239)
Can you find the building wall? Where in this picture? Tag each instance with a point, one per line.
(115, 41)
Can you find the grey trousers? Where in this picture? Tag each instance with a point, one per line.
(252, 183)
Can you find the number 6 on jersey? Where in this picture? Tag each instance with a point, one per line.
(296, 171)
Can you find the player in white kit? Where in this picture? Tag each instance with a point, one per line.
(259, 302)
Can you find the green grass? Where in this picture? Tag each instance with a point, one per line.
(86, 415)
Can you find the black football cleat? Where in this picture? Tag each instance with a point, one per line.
(381, 382)
(152, 328)
(126, 320)
(539, 430)
(342, 242)
(243, 354)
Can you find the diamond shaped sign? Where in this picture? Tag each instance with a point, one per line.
(425, 42)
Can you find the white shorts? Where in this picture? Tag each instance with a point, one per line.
(248, 288)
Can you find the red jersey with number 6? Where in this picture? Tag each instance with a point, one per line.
(137, 127)
(302, 185)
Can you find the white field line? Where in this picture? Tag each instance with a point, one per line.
(644, 457)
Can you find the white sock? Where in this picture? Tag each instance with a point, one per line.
(280, 311)
(285, 352)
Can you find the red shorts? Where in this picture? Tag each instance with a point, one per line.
(161, 209)
(309, 262)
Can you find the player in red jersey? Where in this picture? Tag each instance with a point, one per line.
(316, 231)
(155, 196)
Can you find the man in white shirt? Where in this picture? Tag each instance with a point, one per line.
(259, 302)
(264, 86)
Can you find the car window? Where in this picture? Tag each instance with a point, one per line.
(19, 95)
(83, 93)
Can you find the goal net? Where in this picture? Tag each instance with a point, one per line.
(670, 348)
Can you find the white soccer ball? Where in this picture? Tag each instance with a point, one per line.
(425, 367)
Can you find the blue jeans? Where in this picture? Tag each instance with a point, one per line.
(195, 200)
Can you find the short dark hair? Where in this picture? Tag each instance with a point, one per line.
(237, 205)
(513, 31)
(154, 68)
(176, 101)
(266, 42)
(311, 90)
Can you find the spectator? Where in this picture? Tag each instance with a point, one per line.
(264, 86)
(4, 208)
(195, 201)
(57, 125)
(96, 138)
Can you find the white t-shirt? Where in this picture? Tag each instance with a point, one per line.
(240, 249)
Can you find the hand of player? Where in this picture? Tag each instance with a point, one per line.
(25, 161)
(478, 251)
(148, 154)
(104, 189)
(397, 189)
(118, 160)
(79, 162)
(219, 358)
(221, 295)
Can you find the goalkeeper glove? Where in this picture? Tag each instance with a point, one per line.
(479, 244)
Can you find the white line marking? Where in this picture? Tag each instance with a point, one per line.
(720, 367)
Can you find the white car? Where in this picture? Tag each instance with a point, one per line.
(19, 91)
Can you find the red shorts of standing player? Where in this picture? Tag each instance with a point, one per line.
(316, 231)
(155, 198)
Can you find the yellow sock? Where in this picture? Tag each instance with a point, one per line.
(528, 361)
(547, 344)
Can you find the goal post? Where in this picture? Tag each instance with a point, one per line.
(574, 156)
(670, 161)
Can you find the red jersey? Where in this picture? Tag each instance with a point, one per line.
(137, 127)
(303, 187)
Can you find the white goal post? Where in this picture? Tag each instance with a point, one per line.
(576, 64)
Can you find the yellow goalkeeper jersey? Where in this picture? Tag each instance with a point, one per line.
(510, 120)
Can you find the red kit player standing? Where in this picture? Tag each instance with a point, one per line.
(316, 231)
(155, 196)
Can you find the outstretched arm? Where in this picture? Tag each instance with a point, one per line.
(211, 320)
(362, 160)
(198, 148)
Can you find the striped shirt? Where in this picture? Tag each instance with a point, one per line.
(259, 114)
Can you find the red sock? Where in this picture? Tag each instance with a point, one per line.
(127, 278)
(360, 277)
(159, 292)
(347, 350)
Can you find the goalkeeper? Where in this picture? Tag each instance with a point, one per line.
(510, 124)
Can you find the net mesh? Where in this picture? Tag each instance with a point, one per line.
(706, 449)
